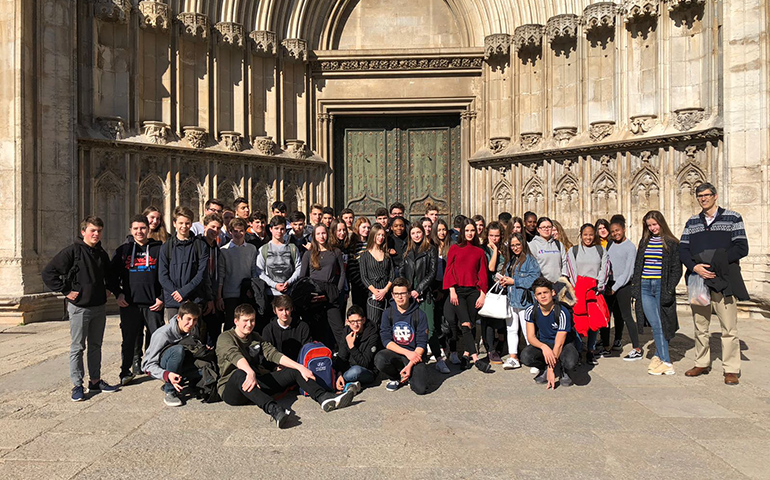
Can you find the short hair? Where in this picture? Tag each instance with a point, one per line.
(297, 216)
(504, 217)
(213, 217)
(705, 186)
(541, 282)
(257, 216)
(95, 221)
(398, 205)
(345, 211)
(242, 310)
(239, 222)
(283, 301)
(239, 201)
(279, 205)
(277, 221)
(528, 215)
(401, 282)
(459, 221)
(189, 308)
(431, 208)
(381, 212)
(328, 211)
(355, 310)
(214, 201)
(139, 219)
(618, 219)
(183, 212)
(316, 206)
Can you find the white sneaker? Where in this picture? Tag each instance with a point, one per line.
(534, 370)
(511, 364)
(442, 367)
(454, 359)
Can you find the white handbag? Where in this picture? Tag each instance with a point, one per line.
(495, 304)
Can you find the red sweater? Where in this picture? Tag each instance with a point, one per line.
(466, 267)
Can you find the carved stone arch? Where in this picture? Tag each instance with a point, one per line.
(533, 195)
(604, 189)
(645, 190)
(152, 192)
(567, 197)
(502, 196)
(228, 191)
(688, 179)
(109, 205)
(260, 199)
(191, 195)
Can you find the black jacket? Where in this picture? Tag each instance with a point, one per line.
(420, 269)
(728, 280)
(185, 270)
(83, 269)
(364, 348)
(671, 273)
(399, 245)
(135, 268)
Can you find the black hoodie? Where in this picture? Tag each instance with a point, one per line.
(366, 345)
(136, 270)
(81, 268)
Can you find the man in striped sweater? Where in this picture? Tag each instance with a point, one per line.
(713, 242)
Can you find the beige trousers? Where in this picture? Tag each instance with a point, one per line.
(727, 311)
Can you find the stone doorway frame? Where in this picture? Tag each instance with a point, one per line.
(329, 109)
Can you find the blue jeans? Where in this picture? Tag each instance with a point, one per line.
(357, 373)
(651, 308)
(176, 359)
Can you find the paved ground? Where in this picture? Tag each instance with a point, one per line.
(622, 424)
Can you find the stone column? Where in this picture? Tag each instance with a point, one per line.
(529, 90)
(262, 85)
(564, 69)
(497, 53)
(293, 89)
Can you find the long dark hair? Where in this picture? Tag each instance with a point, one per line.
(517, 261)
(501, 245)
(442, 245)
(315, 247)
(665, 232)
(424, 246)
(461, 241)
(371, 241)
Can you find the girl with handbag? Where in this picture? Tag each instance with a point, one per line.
(495, 252)
(520, 273)
(377, 273)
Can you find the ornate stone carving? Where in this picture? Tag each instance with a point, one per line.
(153, 14)
(231, 140)
(197, 137)
(230, 33)
(561, 27)
(113, 10)
(529, 140)
(682, 4)
(112, 127)
(468, 115)
(194, 24)
(640, 124)
(497, 45)
(263, 42)
(636, 10)
(599, 15)
(294, 49)
(687, 118)
(563, 135)
(528, 36)
(264, 145)
(156, 132)
(601, 130)
(498, 144)
(605, 161)
(297, 149)
(390, 64)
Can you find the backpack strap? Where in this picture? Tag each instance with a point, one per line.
(263, 252)
(294, 254)
(600, 249)
(575, 250)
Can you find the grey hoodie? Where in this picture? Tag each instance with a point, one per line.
(166, 336)
(550, 255)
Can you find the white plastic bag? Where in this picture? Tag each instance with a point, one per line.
(697, 291)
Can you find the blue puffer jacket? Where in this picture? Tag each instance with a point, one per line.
(185, 270)
(523, 277)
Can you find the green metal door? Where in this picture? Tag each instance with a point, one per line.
(412, 160)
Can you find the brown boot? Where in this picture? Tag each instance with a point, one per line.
(696, 371)
(731, 379)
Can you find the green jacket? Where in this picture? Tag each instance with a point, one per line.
(230, 349)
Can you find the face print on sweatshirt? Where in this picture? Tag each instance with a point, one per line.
(403, 333)
(278, 264)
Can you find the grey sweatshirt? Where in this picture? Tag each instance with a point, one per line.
(277, 268)
(236, 263)
(622, 257)
(587, 264)
(168, 334)
(550, 256)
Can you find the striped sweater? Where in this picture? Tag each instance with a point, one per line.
(653, 259)
(726, 231)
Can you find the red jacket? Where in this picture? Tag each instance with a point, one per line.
(590, 312)
(466, 267)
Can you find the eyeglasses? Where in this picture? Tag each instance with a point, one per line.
(704, 196)
(400, 294)
(544, 227)
(355, 322)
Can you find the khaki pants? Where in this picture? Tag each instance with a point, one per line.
(727, 312)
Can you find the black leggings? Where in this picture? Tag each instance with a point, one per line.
(391, 363)
(620, 305)
(269, 385)
(464, 312)
(489, 329)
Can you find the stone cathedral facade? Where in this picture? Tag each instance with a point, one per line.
(575, 109)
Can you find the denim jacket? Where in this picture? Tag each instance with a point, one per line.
(523, 278)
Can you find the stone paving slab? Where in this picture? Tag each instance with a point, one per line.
(619, 423)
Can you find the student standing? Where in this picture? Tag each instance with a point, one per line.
(397, 241)
(140, 296)
(657, 271)
(237, 263)
(441, 240)
(549, 253)
(356, 248)
(376, 273)
(496, 258)
(466, 278)
(81, 272)
(279, 264)
(157, 225)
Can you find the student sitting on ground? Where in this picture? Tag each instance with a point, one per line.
(549, 330)
(166, 360)
(355, 360)
(244, 379)
(404, 332)
(287, 335)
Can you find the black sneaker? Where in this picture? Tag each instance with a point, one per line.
(77, 394)
(333, 402)
(280, 415)
(617, 345)
(591, 359)
(634, 355)
(542, 377)
(465, 363)
(604, 353)
(484, 366)
(136, 368)
(102, 386)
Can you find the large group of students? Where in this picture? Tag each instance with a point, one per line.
(234, 302)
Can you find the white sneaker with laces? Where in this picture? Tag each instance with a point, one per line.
(511, 364)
